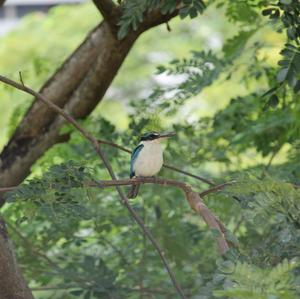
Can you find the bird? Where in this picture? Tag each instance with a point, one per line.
(147, 158)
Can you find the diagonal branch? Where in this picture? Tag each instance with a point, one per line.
(96, 145)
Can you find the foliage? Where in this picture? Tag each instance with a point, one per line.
(133, 11)
(82, 241)
(248, 281)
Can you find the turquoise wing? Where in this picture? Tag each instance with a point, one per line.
(134, 156)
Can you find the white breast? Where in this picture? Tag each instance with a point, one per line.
(149, 160)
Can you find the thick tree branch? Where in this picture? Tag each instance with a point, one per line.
(96, 145)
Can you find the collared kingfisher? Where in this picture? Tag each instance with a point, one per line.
(147, 158)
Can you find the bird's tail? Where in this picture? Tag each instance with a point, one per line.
(133, 192)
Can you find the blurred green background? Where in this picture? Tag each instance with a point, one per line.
(226, 131)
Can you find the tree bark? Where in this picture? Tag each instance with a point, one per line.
(12, 283)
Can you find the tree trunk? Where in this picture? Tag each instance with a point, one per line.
(12, 283)
(78, 86)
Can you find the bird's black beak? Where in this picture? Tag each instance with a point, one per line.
(166, 135)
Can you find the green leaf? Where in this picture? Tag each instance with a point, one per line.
(273, 101)
(282, 74)
(235, 46)
(122, 32)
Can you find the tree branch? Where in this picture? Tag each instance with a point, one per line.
(96, 145)
(109, 11)
(164, 165)
(215, 188)
(207, 181)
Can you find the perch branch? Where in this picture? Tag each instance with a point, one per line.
(96, 145)
(209, 182)
(192, 197)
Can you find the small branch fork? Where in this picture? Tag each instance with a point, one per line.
(112, 15)
(109, 10)
(192, 197)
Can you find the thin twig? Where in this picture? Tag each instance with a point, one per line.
(7, 189)
(215, 189)
(238, 225)
(191, 175)
(270, 161)
(50, 288)
(21, 78)
(143, 257)
(96, 145)
(144, 290)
